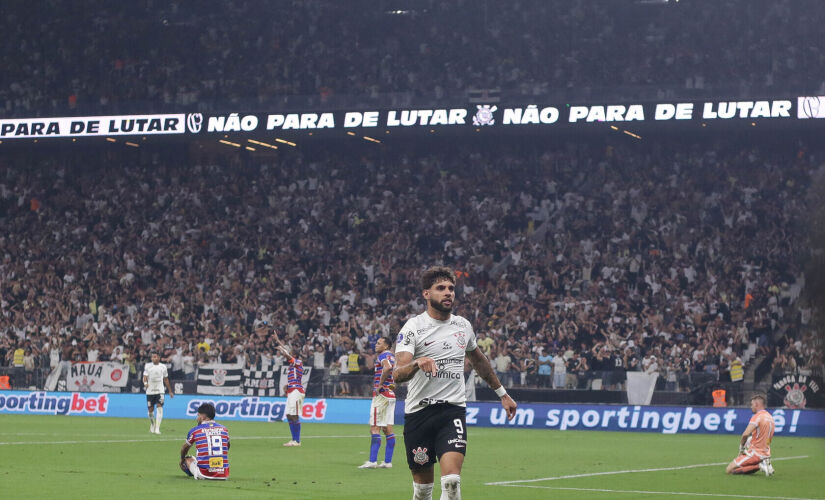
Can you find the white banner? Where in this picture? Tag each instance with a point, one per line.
(96, 376)
(640, 387)
(89, 126)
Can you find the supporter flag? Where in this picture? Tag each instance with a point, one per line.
(98, 376)
(640, 387)
(260, 382)
(220, 378)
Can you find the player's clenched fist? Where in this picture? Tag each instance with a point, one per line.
(509, 405)
(427, 365)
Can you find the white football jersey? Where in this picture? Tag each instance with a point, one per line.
(155, 373)
(446, 342)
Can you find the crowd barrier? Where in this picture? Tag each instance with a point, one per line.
(661, 419)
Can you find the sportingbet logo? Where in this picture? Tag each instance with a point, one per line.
(40, 402)
(257, 409)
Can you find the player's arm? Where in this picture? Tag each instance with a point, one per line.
(183, 451)
(168, 387)
(406, 366)
(745, 435)
(482, 367)
(284, 350)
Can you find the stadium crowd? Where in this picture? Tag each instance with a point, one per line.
(575, 263)
(226, 55)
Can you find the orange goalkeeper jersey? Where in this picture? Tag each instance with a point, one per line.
(763, 434)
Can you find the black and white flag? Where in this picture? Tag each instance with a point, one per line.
(261, 382)
(220, 378)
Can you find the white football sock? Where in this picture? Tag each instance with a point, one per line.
(193, 468)
(160, 417)
(152, 419)
(451, 487)
(422, 491)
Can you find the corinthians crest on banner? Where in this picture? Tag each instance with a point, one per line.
(795, 391)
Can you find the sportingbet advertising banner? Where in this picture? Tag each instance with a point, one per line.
(97, 376)
(661, 419)
(252, 408)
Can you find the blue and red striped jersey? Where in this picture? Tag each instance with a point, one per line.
(379, 369)
(294, 376)
(211, 439)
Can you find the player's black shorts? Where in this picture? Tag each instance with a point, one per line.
(154, 400)
(433, 431)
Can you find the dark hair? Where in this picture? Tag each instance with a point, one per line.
(387, 341)
(435, 274)
(207, 409)
(760, 397)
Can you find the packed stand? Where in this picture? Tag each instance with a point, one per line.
(238, 55)
(575, 264)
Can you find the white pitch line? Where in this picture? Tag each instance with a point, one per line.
(160, 440)
(643, 492)
(629, 471)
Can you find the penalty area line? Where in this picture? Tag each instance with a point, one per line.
(629, 471)
(644, 492)
(161, 440)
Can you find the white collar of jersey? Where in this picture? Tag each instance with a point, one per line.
(440, 321)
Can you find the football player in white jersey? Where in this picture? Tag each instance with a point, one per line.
(154, 377)
(430, 353)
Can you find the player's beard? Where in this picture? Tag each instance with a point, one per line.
(438, 306)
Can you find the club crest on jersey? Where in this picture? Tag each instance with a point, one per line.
(460, 341)
(218, 377)
(420, 455)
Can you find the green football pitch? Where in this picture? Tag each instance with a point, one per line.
(88, 457)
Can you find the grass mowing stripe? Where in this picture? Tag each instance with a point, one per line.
(642, 492)
(629, 471)
(162, 440)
